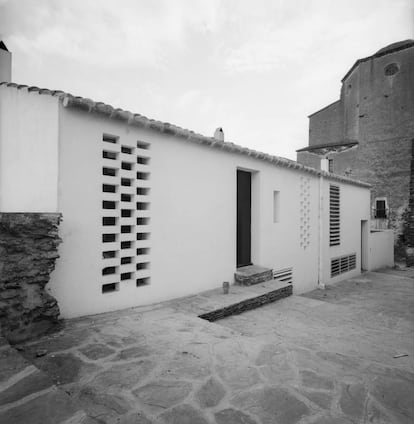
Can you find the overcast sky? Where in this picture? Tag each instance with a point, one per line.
(257, 68)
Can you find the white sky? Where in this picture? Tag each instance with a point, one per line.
(257, 68)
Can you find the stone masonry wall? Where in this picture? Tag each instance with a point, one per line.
(28, 251)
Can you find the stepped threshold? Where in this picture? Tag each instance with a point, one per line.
(213, 305)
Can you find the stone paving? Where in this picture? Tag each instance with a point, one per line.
(330, 357)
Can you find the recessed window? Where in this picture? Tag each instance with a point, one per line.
(126, 244)
(126, 260)
(143, 265)
(126, 276)
(143, 251)
(381, 209)
(143, 236)
(330, 165)
(276, 206)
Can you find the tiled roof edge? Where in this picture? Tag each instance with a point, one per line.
(89, 105)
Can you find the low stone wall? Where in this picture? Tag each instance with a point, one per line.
(28, 251)
(247, 305)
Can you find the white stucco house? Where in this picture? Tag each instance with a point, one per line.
(152, 211)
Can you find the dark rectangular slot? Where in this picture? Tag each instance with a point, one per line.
(143, 236)
(143, 281)
(127, 150)
(142, 160)
(109, 270)
(143, 221)
(125, 229)
(126, 182)
(110, 287)
(143, 191)
(108, 238)
(143, 265)
(126, 197)
(143, 145)
(110, 138)
(109, 188)
(111, 172)
(143, 175)
(108, 204)
(126, 260)
(142, 206)
(109, 254)
(126, 165)
(126, 276)
(109, 155)
(143, 251)
(126, 213)
(126, 244)
(108, 220)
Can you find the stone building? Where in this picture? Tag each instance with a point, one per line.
(367, 133)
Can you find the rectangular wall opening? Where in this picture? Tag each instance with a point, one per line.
(276, 206)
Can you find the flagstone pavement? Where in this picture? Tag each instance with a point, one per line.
(335, 356)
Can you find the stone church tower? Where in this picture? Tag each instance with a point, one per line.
(367, 134)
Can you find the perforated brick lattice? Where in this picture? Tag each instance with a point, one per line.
(125, 213)
(304, 234)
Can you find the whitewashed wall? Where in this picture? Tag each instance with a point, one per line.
(28, 151)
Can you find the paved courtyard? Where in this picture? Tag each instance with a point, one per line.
(343, 355)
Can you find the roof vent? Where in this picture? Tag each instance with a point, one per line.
(219, 134)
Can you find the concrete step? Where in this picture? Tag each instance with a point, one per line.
(252, 274)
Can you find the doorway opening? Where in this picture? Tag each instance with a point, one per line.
(244, 218)
(364, 245)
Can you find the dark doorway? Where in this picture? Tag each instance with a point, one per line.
(244, 214)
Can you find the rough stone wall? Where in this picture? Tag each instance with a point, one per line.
(326, 126)
(28, 251)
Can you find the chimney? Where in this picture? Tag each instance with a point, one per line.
(219, 134)
(5, 63)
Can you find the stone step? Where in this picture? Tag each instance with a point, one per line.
(250, 302)
(252, 274)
